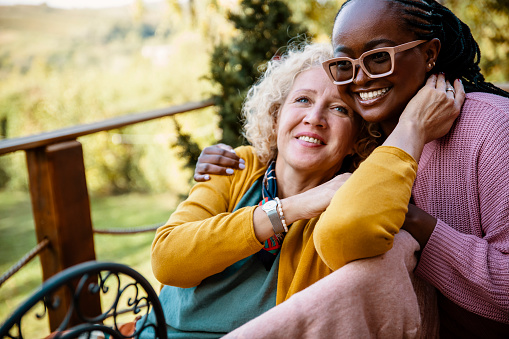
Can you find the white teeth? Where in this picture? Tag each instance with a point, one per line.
(373, 94)
(312, 140)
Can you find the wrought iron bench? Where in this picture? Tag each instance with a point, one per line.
(126, 293)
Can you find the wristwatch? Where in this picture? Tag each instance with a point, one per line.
(270, 207)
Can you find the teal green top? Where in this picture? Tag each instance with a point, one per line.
(224, 301)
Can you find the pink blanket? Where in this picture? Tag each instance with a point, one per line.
(371, 298)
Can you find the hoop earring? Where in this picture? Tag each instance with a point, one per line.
(431, 65)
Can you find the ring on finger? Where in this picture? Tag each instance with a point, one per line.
(450, 89)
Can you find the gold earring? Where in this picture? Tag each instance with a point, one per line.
(431, 65)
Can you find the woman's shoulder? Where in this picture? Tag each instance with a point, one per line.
(253, 164)
(486, 102)
(483, 112)
(248, 153)
(484, 117)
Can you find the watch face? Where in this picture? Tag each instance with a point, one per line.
(269, 205)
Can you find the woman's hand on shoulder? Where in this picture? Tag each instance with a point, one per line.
(217, 159)
(428, 116)
(435, 107)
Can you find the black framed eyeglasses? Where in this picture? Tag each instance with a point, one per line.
(376, 63)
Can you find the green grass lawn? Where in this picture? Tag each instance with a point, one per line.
(123, 211)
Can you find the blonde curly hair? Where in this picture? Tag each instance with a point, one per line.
(262, 105)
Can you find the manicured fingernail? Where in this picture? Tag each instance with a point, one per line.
(233, 151)
(229, 171)
(242, 161)
(206, 177)
(242, 166)
(459, 80)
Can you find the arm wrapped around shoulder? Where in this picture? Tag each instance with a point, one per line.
(368, 210)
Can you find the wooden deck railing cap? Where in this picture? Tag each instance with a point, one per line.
(71, 133)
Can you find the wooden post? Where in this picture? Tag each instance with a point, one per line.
(61, 210)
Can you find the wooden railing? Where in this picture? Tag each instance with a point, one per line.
(59, 195)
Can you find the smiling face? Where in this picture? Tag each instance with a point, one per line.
(315, 129)
(363, 25)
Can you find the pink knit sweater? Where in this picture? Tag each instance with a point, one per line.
(463, 181)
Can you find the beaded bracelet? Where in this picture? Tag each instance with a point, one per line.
(281, 216)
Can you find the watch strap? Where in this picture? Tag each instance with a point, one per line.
(273, 215)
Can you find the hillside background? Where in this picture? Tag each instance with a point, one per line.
(61, 67)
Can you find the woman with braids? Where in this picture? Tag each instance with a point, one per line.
(383, 52)
(462, 189)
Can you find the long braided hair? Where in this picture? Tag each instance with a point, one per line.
(459, 55)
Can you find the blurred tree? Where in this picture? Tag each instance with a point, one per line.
(185, 11)
(3, 128)
(318, 15)
(192, 11)
(187, 149)
(262, 29)
(4, 176)
(169, 18)
(174, 6)
(489, 23)
(138, 10)
(117, 160)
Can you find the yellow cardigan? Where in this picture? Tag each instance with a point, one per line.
(203, 236)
